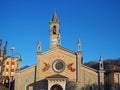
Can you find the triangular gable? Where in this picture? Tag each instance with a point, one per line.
(61, 48)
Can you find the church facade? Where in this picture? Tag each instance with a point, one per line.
(59, 68)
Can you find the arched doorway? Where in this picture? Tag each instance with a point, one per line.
(56, 87)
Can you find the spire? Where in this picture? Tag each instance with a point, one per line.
(101, 58)
(101, 67)
(79, 45)
(54, 18)
(54, 31)
(39, 46)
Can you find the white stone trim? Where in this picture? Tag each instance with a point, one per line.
(61, 82)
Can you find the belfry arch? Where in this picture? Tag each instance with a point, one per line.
(56, 87)
(56, 82)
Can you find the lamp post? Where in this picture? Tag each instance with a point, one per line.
(18, 64)
(18, 55)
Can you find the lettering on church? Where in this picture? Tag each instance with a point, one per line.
(55, 56)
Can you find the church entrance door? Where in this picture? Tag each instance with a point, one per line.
(56, 87)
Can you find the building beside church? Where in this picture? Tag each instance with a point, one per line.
(112, 78)
(58, 67)
(8, 67)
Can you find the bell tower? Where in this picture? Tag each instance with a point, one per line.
(54, 31)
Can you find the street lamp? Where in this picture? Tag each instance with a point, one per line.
(18, 55)
(18, 64)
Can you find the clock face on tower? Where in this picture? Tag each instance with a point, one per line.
(58, 66)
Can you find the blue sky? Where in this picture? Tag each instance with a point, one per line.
(95, 22)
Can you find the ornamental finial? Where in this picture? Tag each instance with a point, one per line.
(79, 45)
(39, 46)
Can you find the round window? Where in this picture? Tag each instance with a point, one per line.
(58, 66)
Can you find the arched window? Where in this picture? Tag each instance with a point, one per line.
(101, 65)
(54, 29)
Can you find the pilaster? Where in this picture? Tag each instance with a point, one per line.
(78, 65)
(101, 74)
(38, 65)
(17, 81)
